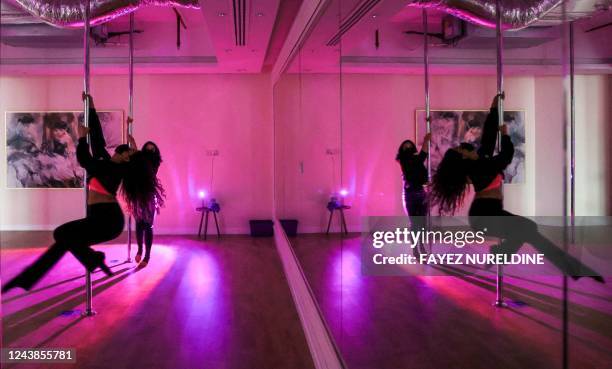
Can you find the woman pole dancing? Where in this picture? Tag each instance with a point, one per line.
(462, 165)
(104, 220)
(415, 176)
(145, 216)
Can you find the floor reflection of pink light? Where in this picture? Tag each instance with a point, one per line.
(202, 276)
(347, 271)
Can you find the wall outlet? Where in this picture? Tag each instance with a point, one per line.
(214, 152)
(332, 152)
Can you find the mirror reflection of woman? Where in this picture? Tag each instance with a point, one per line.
(414, 173)
(464, 165)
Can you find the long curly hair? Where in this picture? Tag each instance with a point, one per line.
(140, 186)
(449, 183)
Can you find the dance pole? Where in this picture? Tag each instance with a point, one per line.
(572, 132)
(499, 285)
(568, 128)
(131, 115)
(88, 290)
(427, 106)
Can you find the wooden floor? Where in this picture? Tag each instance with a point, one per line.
(215, 304)
(448, 322)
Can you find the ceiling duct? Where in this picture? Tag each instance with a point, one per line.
(41, 35)
(476, 37)
(69, 13)
(516, 14)
(353, 18)
(240, 12)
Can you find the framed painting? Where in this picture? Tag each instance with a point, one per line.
(41, 147)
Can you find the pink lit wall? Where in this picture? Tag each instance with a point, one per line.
(186, 115)
(378, 112)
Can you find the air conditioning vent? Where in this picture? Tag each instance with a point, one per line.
(240, 17)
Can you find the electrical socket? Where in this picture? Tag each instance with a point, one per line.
(332, 152)
(214, 152)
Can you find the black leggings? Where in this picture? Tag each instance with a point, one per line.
(144, 230)
(104, 222)
(516, 230)
(415, 201)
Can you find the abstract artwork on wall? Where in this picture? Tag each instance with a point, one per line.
(451, 127)
(41, 147)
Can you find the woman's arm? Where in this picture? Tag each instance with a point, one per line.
(425, 148)
(489, 131)
(96, 135)
(84, 157)
(506, 153)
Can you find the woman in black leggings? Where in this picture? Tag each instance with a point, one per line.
(463, 165)
(104, 220)
(145, 217)
(414, 174)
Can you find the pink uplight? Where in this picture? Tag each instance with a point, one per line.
(343, 192)
(202, 194)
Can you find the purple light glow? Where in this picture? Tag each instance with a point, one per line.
(202, 194)
(344, 192)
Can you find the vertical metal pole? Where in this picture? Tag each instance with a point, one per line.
(88, 288)
(572, 132)
(500, 65)
(131, 115)
(568, 126)
(499, 285)
(427, 108)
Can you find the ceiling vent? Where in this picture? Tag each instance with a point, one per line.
(240, 17)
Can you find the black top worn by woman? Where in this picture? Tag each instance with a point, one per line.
(413, 170)
(483, 171)
(99, 165)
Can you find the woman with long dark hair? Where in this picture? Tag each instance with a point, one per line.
(145, 216)
(463, 165)
(414, 174)
(104, 220)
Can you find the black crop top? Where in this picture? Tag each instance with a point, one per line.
(413, 169)
(484, 170)
(99, 165)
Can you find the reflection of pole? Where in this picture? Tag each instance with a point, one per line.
(88, 289)
(427, 108)
(568, 128)
(572, 133)
(500, 66)
(131, 115)
(499, 285)
(426, 73)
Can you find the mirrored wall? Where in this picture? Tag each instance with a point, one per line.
(354, 92)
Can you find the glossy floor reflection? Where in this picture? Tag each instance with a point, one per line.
(213, 304)
(448, 321)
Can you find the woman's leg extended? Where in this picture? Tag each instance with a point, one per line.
(523, 230)
(33, 273)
